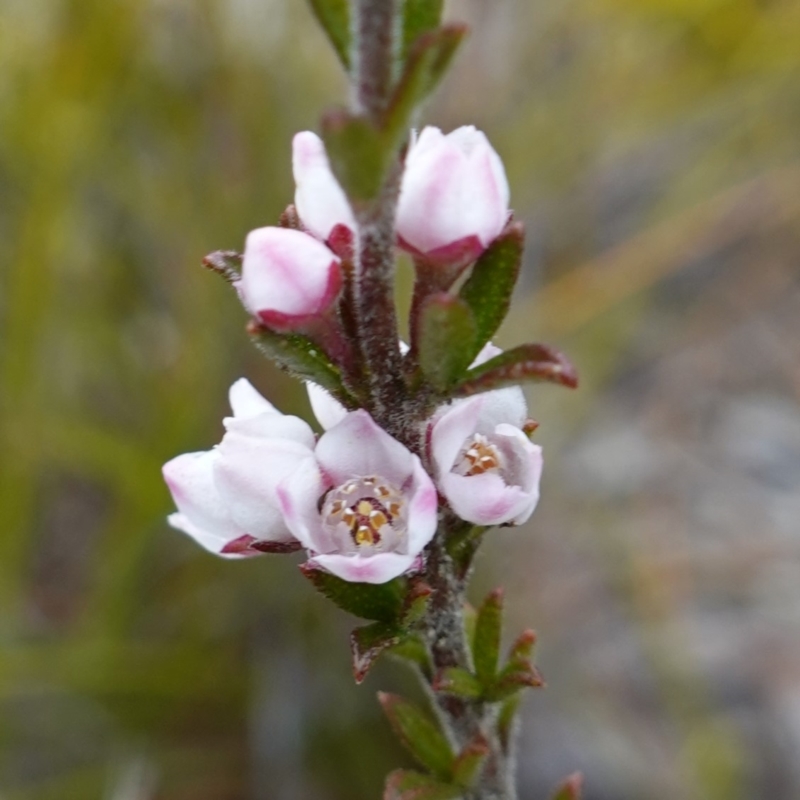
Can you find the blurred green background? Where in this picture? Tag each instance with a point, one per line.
(652, 147)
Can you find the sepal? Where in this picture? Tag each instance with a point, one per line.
(367, 644)
(382, 602)
(491, 283)
(420, 734)
(303, 358)
(406, 784)
(445, 339)
(528, 362)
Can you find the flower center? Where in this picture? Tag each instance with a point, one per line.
(365, 515)
(477, 456)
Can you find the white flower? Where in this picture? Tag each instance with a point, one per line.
(226, 497)
(363, 506)
(454, 196)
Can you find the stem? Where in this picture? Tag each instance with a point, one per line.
(373, 59)
(464, 720)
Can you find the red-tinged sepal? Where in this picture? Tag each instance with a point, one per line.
(368, 643)
(227, 263)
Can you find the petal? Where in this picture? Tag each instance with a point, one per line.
(319, 198)
(422, 510)
(502, 406)
(380, 568)
(288, 273)
(247, 474)
(190, 478)
(484, 499)
(208, 541)
(247, 401)
(272, 425)
(358, 447)
(299, 495)
(327, 409)
(451, 431)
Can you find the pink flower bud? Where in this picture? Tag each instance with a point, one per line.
(454, 196)
(319, 200)
(288, 277)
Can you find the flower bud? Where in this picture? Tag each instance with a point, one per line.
(319, 199)
(454, 196)
(288, 277)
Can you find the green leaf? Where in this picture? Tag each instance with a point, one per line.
(382, 602)
(571, 788)
(490, 285)
(513, 679)
(522, 649)
(413, 649)
(486, 642)
(420, 734)
(427, 62)
(304, 359)
(405, 784)
(469, 761)
(458, 681)
(446, 339)
(359, 154)
(367, 643)
(334, 17)
(528, 362)
(507, 721)
(419, 16)
(416, 602)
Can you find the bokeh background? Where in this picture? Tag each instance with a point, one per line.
(653, 147)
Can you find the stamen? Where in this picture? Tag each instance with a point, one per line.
(478, 456)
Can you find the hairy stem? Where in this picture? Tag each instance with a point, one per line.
(375, 24)
(465, 720)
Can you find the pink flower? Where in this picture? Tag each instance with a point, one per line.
(288, 277)
(485, 465)
(318, 198)
(226, 497)
(363, 505)
(454, 196)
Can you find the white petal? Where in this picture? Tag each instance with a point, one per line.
(422, 510)
(247, 474)
(247, 401)
(378, 568)
(484, 499)
(358, 447)
(299, 495)
(190, 478)
(208, 541)
(452, 429)
(319, 198)
(272, 426)
(327, 409)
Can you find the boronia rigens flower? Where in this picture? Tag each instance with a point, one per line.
(425, 445)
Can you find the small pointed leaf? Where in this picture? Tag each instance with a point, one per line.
(419, 16)
(486, 642)
(427, 61)
(368, 643)
(405, 784)
(420, 734)
(416, 602)
(517, 676)
(469, 761)
(334, 17)
(446, 339)
(458, 681)
(522, 649)
(528, 362)
(301, 357)
(382, 602)
(491, 283)
(571, 788)
(227, 263)
(358, 153)
(507, 721)
(413, 649)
